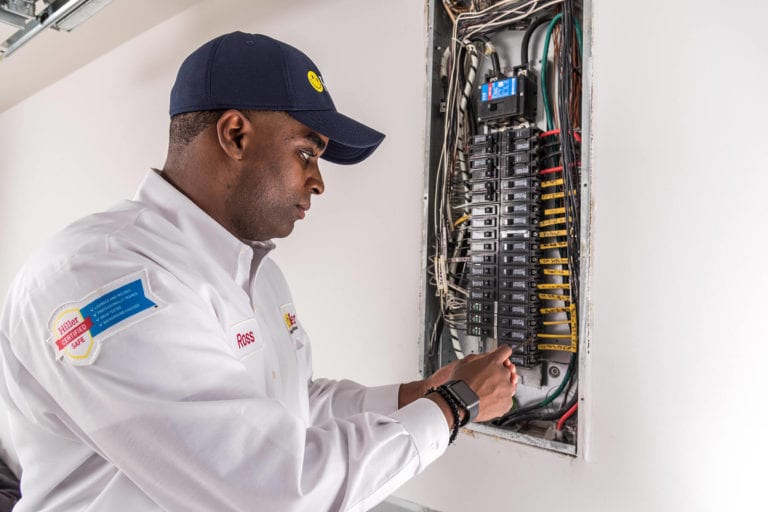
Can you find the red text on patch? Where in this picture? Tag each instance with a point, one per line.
(245, 338)
(75, 333)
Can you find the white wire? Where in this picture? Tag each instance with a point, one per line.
(500, 21)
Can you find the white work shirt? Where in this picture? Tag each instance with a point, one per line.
(153, 361)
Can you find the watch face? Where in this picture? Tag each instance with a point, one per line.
(466, 397)
(464, 393)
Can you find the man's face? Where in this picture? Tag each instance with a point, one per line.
(279, 175)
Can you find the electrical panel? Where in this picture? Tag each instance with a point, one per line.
(505, 193)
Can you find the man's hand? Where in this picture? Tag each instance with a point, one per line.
(493, 379)
(491, 376)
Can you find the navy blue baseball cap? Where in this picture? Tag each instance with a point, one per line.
(256, 72)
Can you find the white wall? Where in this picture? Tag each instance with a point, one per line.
(678, 181)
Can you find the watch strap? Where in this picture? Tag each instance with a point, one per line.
(454, 406)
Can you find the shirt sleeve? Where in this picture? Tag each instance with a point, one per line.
(340, 399)
(168, 404)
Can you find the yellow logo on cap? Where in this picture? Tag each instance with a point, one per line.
(315, 81)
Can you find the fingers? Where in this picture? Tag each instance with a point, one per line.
(513, 371)
(502, 353)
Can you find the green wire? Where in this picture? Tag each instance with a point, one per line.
(560, 388)
(578, 33)
(544, 62)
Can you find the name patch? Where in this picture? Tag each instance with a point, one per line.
(79, 328)
(245, 338)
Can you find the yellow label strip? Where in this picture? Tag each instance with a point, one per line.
(552, 222)
(547, 311)
(574, 328)
(557, 232)
(552, 296)
(461, 219)
(557, 322)
(553, 286)
(553, 261)
(552, 183)
(555, 245)
(556, 195)
(552, 346)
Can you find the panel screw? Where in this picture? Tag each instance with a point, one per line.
(554, 371)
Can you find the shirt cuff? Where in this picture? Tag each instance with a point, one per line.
(425, 422)
(381, 399)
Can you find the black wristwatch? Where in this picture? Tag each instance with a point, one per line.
(465, 398)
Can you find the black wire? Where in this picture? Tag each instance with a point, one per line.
(510, 418)
(527, 38)
(434, 345)
(543, 416)
(558, 413)
(471, 114)
(495, 64)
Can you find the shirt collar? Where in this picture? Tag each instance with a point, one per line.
(240, 259)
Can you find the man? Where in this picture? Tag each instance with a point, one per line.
(152, 356)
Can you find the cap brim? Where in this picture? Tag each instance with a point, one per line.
(349, 142)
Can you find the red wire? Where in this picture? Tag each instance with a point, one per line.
(567, 415)
(576, 135)
(551, 170)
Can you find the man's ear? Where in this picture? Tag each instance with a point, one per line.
(232, 129)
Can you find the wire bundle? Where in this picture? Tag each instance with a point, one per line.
(567, 98)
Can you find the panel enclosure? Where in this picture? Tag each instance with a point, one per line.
(506, 239)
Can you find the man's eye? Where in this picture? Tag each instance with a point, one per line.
(306, 155)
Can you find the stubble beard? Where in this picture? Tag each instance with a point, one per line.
(256, 213)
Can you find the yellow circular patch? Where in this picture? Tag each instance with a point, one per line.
(315, 81)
